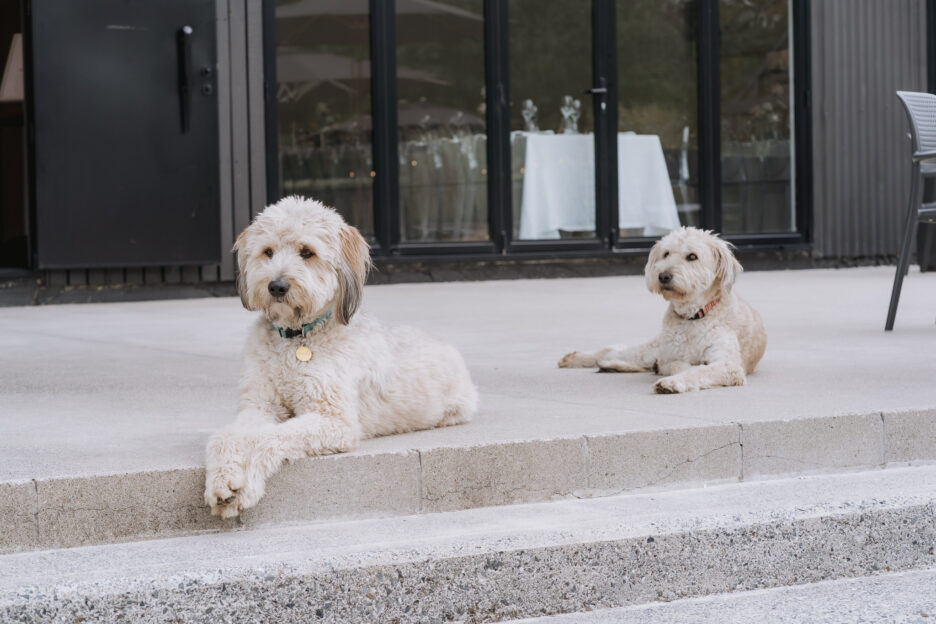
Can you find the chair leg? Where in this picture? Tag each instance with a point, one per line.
(925, 252)
(903, 261)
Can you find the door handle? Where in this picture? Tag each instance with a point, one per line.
(601, 89)
(184, 59)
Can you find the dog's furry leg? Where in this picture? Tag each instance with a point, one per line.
(226, 460)
(672, 368)
(630, 360)
(614, 358)
(722, 367)
(702, 377)
(586, 359)
(303, 436)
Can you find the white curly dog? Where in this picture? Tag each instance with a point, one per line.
(316, 378)
(710, 337)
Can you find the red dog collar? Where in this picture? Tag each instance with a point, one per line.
(701, 313)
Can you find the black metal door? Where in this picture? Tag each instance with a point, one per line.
(125, 132)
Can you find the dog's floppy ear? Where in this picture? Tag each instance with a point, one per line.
(239, 249)
(353, 264)
(652, 282)
(727, 266)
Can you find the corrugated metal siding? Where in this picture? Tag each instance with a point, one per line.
(862, 52)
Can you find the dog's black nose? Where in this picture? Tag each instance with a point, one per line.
(278, 287)
(666, 277)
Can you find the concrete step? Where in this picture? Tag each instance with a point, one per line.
(492, 564)
(894, 598)
(105, 408)
(447, 470)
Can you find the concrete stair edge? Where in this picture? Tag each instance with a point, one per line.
(95, 509)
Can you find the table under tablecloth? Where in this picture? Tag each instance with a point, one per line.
(559, 185)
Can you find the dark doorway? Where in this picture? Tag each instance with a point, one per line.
(125, 132)
(14, 248)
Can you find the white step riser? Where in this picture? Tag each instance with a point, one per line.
(66, 512)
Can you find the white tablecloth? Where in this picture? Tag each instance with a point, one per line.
(559, 185)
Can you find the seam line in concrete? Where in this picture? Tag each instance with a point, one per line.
(738, 432)
(884, 459)
(36, 530)
(586, 461)
(420, 495)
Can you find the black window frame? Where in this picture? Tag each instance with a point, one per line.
(388, 246)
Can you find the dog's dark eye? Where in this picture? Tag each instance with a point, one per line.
(306, 253)
(692, 257)
(665, 254)
(268, 252)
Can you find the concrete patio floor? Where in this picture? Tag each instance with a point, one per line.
(128, 387)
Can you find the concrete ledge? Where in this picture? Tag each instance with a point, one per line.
(618, 463)
(487, 565)
(19, 507)
(111, 508)
(501, 474)
(910, 435)
(98, 509)
(813, 445)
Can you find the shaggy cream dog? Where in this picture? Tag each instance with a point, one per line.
(711, 337)
(316, 378)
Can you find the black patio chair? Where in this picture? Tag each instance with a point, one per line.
(921, 112)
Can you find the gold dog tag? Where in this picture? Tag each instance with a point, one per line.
(303, 354)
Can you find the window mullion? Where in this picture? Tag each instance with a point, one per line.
(384, 123)
(709, 116)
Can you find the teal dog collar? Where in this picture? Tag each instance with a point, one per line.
(292, 333)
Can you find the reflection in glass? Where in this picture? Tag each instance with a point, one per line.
(657, 90)
(551, 122)
(442, 142)
(323, 105)
(757, 188)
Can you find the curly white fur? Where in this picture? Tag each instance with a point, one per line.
(691, 269)
(362, 381)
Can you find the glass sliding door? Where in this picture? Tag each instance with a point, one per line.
(756, 116)
(441, 121)
(657, 87)
(511, 127)
(323, 105)
(552, 125)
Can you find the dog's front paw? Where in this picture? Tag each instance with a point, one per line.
(228, 486)
(231, 492)
(223, 487)
(672, 385)
(576, 360)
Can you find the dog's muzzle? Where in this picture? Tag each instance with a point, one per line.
(666, 277)
(278, 288)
